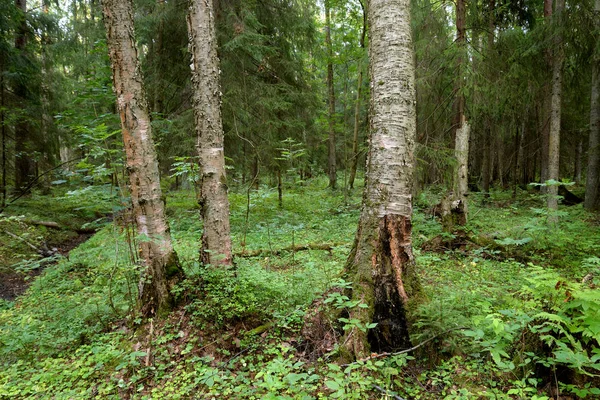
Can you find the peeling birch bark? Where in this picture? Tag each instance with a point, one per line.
(212, 198)
(161, 269)
(461, 152)
(381, 264)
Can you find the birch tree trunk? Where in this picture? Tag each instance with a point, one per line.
(355, 153)
(331, 96)
(592, 184)
(212, 198)
(381, 263)
(161, 268)
(555, 110)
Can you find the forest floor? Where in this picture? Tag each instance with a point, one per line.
(523, 293)
(35, 233)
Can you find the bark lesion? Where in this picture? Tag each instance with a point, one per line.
(381, 269)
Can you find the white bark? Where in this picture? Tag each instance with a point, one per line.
(381, 265)
(393, 109)
(461, 152)
(156, 248)
(214, 204)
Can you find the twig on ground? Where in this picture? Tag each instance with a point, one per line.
(382, 390)
(24, 241)
(386, 354)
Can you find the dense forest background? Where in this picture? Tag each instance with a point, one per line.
(58, 103)
(509, 307)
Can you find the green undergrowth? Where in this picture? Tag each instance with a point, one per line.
(504, 326)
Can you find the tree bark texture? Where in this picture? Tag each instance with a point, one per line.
(462, 128)
(3, 127)
(578, 156)
(555, 109)
(24, 168)
(212, 198)
(331, 99)
(461, 175)
(546, 110)
(355, 153)
(592, 184)
(381, 264)
(461, 41)
(155, 246)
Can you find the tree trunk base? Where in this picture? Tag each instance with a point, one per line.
(384, 282)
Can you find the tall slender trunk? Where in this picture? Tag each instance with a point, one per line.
(331, 96)
(487, 139)
(214, 204)
(577, 166)
(355, 153)
(461, 175)
(381, 264)
(24, 168)
(555, 110)
(45, 117)
(485, 173)
(546, 113)
(521, 166)
(592, 185)
(3, 127)
(156, 249)
(461, 126)
(516, 168)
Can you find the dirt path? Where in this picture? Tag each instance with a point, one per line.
(15, 283)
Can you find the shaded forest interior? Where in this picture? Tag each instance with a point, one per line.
(300, 200)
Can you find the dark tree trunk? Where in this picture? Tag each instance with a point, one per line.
(592, 185)
(555, 111)
(577, 166)
(24, 167)
(331, 97)
(3, 127)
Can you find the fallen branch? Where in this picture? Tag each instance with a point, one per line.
(298, 247)
(382, 390)
(42, 251)
(259, 329)
(56, 225)
(386, 354)
(49, 224)
(28, 243)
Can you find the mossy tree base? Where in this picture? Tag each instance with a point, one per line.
(155, 286)
(381, 267)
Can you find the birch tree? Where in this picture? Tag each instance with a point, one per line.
(381, 263)
(462, 132)
(212, 198)
(161, 268)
